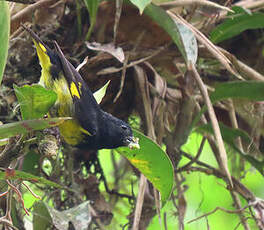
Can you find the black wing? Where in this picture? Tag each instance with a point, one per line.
(86, 108)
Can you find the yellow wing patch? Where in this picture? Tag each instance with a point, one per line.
(85, 131)
(42, 47)
(74, 90)
(80, 86)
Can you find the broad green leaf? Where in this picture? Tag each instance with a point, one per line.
(180, 34)
(141, 4)
(189, 42)
(79, 216)
(23, 127)
(153, 162)
(4, 35)
(252, 90)
(35, 101)
(100, 93)
(229, 136)
(31, 163)
(236, 23)
(92, 6)
(3, 141)
(41, 216)
(20, 175)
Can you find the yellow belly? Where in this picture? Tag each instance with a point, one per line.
(70, 130)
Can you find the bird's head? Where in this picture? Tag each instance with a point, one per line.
(119, 133)
(127, 136)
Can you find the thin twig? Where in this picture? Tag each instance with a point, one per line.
(82, 64)
(182, 204)
(209, 170)
(232, 114)
(124, 68)
(20, 197)
(233, 119)
(111, 70)
(119, 4)
(251, 4)
(172, 4)
(185, 167)
(165, 221)
(5, 221)
(140, 200)
(238, 206)
(97, 220)
(219, 208)
(157, 203)
(214, 122)
(240, 223)
(122, 78)
(112, 192)
(22, 1)
(242, 68)
(31, 191)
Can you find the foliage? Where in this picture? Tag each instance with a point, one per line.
(92, 7)
(237, 22)
(4, 28)
(200, 132)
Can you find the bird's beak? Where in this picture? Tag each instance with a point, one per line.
(133, 143)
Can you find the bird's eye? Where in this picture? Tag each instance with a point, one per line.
(124, 127)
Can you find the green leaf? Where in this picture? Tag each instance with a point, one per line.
(229, 136)
(4, 35)
(92, 7)
(100, 93)
(41, 216)
(153, 162)
(189, 42)
(180, 34)
(79, 216)
(252, 90)
(23, 127)
(236, 23)
(31, 163)
(20, 175)
(4, 141)
(141, 4)
(35, 101)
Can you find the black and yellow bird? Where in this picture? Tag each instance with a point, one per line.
(91, 128)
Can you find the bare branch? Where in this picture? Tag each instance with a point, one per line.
(214, 122)
(140, 200)
(219, 208)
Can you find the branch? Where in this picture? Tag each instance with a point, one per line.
(215, 125)
(219, 208)
(209, 170)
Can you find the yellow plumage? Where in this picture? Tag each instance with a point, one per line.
(71, 130)
(91, 127)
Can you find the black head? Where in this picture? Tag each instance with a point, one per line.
(115, 132)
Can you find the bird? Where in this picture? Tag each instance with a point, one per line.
(91, 128)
